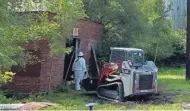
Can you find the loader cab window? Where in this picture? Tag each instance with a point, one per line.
(136, 58)
(117, 56)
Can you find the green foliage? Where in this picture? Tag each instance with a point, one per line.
(18, 25)
(135, 23)
(56, 23)
(179, 54)
(37, 97)
(11, 32)
(5, 100)
(6, 77)
(161, 37)
(62, 88)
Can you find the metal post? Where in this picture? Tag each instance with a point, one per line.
(76, 49)
(75, 35)
(188, 42)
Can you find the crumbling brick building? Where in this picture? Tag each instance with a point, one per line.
(48, 74)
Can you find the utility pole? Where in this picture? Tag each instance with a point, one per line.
(188, 42)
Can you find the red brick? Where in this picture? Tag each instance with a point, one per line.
(53, 67)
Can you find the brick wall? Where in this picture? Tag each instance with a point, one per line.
(57, 72)
(51, 73)
(90, 33)
(24, 84)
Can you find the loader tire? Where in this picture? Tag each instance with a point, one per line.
(120, 90)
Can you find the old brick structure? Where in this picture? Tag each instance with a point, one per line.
(90, 33)
(44, 76)
(48, 74)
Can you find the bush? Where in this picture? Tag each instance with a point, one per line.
(37, 97)
(179, 54)
(15, 97)
(13, 94)
(62, 88)
(5, 100)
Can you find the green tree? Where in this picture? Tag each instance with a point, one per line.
(158, 42)
(17, 27)
(134, 23)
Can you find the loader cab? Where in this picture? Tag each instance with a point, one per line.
(136, 56)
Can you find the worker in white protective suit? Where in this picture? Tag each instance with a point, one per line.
(79, 68)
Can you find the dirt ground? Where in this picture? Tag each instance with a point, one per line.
(157, 99)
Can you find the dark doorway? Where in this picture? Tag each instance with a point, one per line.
(70, 43)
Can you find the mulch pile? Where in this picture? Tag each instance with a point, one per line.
(35, 105)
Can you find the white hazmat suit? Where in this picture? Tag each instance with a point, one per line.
(79, 68)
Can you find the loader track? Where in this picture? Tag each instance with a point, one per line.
(157, 99)
(117, 95)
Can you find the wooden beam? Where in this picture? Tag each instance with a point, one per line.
(188, 42)
(94, 54)
(70, 63)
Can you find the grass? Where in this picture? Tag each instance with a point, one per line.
(174, 79)
(159, 107)
(171, 83)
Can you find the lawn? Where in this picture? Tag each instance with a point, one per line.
(173, 92)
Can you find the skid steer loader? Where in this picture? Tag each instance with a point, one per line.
(127, 74)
